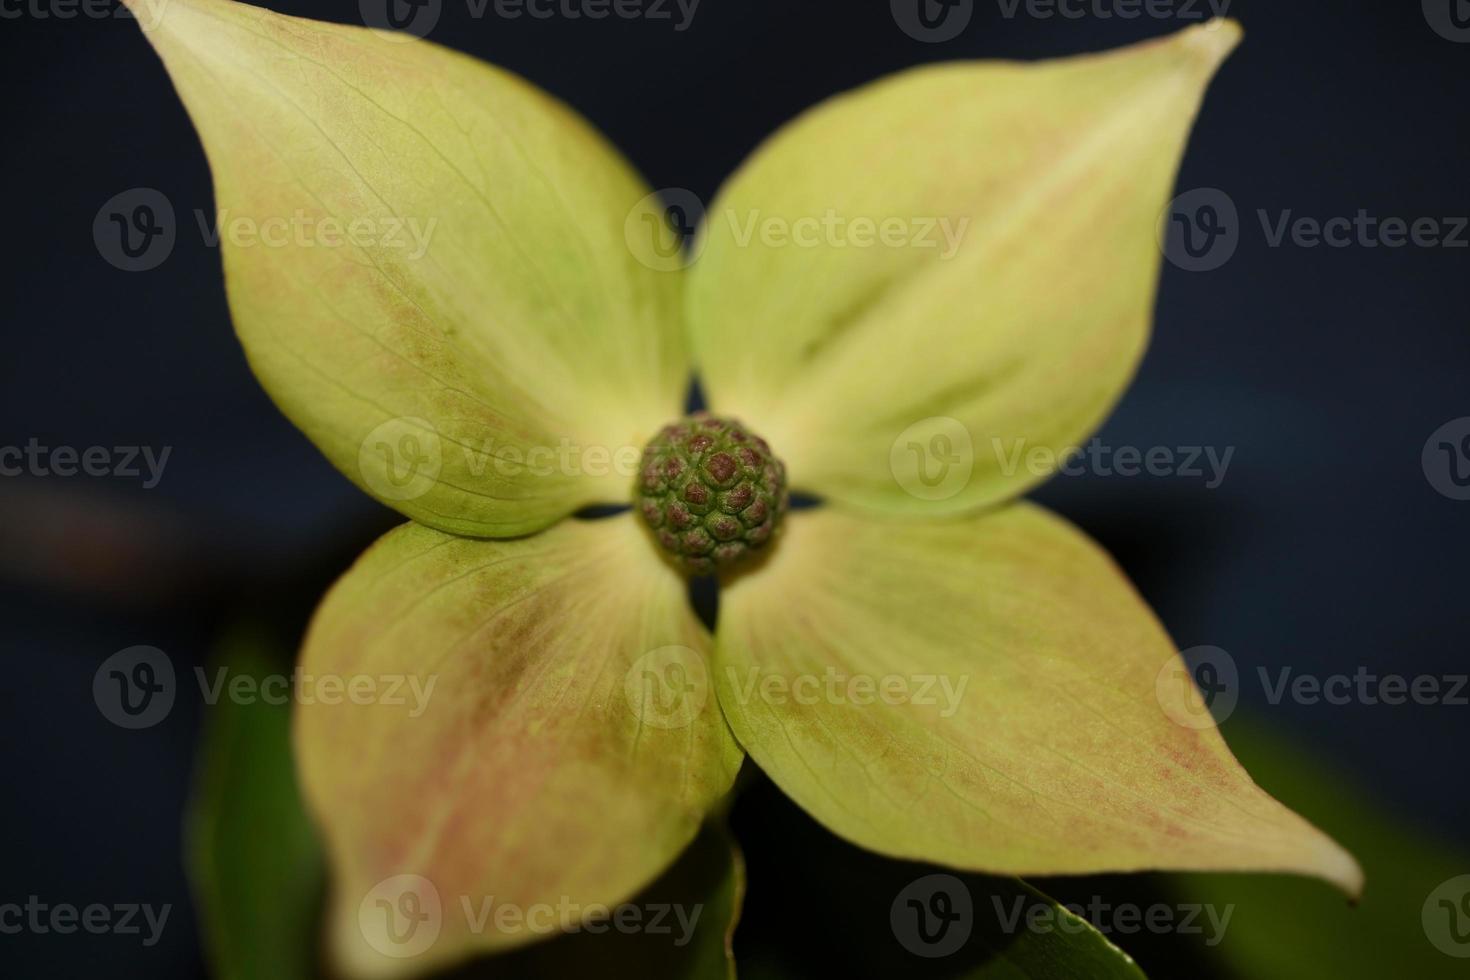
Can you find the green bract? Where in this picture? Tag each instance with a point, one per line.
(930, 670)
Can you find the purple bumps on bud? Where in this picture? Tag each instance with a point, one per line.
(711, 490)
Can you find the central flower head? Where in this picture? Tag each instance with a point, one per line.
(711, 490)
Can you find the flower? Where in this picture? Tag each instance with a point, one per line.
(931, 669)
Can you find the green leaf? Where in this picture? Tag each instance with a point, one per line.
(1060, 946)
(254, 862)
(925, 291)
(427, 265)
(1285, 928)
(988, 693)
(545, 735)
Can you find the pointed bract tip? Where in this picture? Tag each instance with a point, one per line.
(149, 14)
(1343, 870)
(1213, 40)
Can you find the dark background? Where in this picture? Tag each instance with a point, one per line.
(1326, 547)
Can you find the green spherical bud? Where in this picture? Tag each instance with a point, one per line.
(711, 490)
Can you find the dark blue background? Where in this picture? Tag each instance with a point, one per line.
(1325, 548)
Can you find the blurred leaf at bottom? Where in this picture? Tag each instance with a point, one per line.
(253, 859)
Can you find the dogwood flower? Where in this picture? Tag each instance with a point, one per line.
(929, 667)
